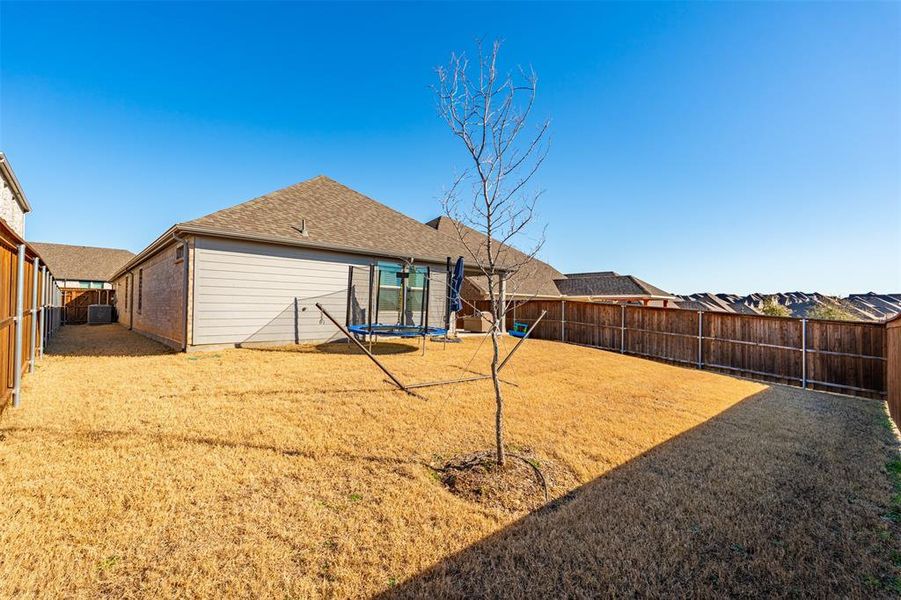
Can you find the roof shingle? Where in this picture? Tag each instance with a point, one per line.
(608, 283)
(85, 263)
(334, 216)
(535, 278)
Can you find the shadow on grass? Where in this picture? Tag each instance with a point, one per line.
(102, 340)
(784, 494)
(337, 347)
(99, 436)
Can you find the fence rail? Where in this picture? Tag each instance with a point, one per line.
(29, 312)
(838, 356)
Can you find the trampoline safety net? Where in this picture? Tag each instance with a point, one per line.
(410, 299)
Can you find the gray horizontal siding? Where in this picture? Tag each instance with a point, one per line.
(245, 291)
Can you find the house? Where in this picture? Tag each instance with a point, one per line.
(83, 267)
(540, 281)
(862, 307)
(84, 275)
(534, 280)
(231, 276)
(609, 286)
(13, 204)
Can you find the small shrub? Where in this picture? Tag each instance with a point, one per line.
(772, 308)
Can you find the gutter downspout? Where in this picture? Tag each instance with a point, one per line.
(183, 241)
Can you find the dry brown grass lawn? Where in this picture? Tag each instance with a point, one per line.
(130, 471)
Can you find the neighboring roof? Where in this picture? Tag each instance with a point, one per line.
(85, 263)
(535, 278)
(10, 176)
(868, 307)
(877, 306)
(705, 301)
(608, 284)
(334, 216)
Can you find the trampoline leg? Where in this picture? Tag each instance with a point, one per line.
(359, 344)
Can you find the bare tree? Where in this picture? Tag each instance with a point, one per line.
(488, 111)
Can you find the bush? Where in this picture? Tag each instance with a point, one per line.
(833, 311)
(772, 308)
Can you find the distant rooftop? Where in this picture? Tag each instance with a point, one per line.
(609, 284)
(82, 263)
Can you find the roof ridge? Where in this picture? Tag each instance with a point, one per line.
(82, 246)
(257, 199)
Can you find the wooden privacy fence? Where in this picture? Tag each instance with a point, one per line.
(893, 355)
(838, 356)
(77, 300)
(29, 312)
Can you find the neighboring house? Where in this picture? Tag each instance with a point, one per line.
(608, 286)
(13, 204)
(84, 276)
(536, 279)
(864, 307)
(878, 307)
(539, 280)
(83, 267)
(224, 278)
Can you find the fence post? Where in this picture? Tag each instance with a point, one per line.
(34, 313)
(563, 320)
(700, 339)
(43, 306)
(804, 353)
(20, 305)
(296, 322)
(622, 330)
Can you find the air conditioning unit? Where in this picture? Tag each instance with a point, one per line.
(99, 314)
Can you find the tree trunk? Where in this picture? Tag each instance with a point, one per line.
(495, 376)
(498, 399)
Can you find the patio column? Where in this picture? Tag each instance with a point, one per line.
(503, 301)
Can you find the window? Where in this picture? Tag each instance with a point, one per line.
(399, 290)
(180, 253)
(140, 289)
(125, 299)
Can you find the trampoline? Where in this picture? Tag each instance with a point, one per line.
(401, 331)
(398, 300)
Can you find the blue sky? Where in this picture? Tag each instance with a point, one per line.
(703, 147)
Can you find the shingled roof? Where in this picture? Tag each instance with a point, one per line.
(322, 212)
(608, 284)
(535, 278)
(84, 263)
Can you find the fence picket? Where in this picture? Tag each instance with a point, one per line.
(847, 357)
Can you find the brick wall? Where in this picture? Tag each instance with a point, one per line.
(155, 305)
(123, 299)
(10, 210)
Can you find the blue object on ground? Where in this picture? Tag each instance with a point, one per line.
(519, 330)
